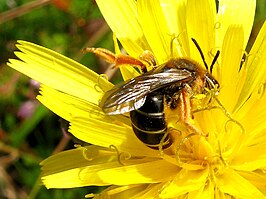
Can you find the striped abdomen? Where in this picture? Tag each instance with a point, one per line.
(148, 122)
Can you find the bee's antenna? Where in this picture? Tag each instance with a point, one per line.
(201, 53)
(214, 60)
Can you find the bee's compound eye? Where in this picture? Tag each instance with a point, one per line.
(216, 83)
(211, 83)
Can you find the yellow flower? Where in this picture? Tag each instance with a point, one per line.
(229, 162)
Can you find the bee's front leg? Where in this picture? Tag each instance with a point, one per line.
(186, 112)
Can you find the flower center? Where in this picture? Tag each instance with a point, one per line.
(195, 152)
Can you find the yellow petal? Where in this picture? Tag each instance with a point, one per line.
(150, 192)
(231, 55)
(108, 133)
(90, 124)
(59, 72)
(77, 167)
(61, 103)
(174, 13)
(253, 113)
(155, 28)
(69, 107)
(122, 18)
(257, 178)
(206, 192)
(250, 158)
(139, 173)
(258, 135)
(254, 121)
(237, 12)
(185, 181)
(232, 183)
(128, 72)
(122, 192)
(255, 67)
(200, 26)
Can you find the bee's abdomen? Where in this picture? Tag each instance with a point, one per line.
(148, 122)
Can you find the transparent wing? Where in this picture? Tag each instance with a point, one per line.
(131, 95)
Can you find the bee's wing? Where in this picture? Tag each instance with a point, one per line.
(131, 95)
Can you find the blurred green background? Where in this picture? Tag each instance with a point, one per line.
(28, 131)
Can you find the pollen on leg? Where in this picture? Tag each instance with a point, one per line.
(103, 53)
(186, 114)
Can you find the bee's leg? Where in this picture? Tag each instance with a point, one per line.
(118, 59)
(186, 113)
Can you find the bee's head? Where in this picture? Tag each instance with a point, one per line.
(211, 83)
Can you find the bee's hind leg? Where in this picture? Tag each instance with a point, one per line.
(121, 59)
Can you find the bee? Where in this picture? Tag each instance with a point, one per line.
(146, 96)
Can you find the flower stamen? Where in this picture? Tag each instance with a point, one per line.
(88, 155)
(217, 25)
(173, 38)
(213, 94)
(262, 89)
(236, 122)
(121, 156)
(228, 115)
(178, 148)
(162, 143)
(97, 86)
